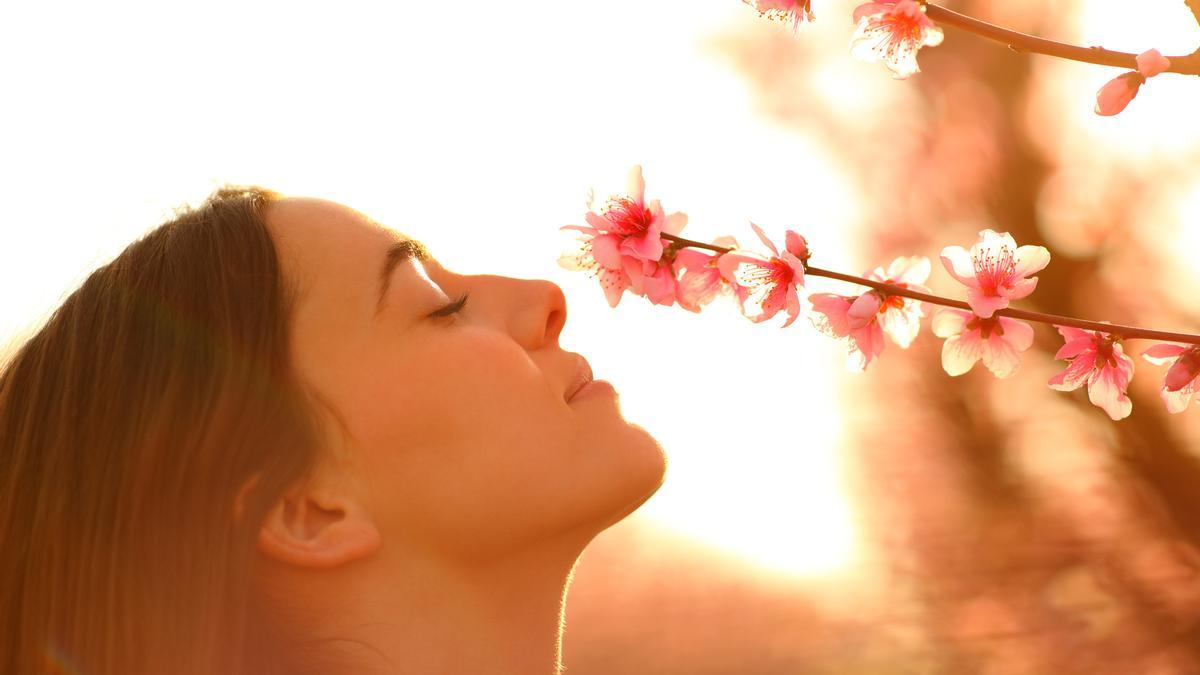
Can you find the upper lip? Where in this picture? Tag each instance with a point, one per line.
(583, 375)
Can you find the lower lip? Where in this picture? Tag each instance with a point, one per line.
(592, 389)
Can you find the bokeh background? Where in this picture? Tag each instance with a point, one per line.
(813, 521)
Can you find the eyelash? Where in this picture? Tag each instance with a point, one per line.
(452, 308)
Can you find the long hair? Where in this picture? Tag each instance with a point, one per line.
(129, 426)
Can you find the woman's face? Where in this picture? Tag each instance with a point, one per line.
(454, 431)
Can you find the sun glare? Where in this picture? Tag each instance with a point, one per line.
(480, 142)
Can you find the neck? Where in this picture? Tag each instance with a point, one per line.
(425, 615)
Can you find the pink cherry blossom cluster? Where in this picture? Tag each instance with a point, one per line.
(893, 32)
(633, 245)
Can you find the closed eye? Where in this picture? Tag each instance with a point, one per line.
(451, 308)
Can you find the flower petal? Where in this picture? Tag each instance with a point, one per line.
(598, 221)
(1180, 374)
(1177, 401)
(1030, 260)
(1017, 333)
(829, 313)
(960, 353)
(1160, 353)
(863, 310)
(606, 251)
(765, 239)
(795, 244)
(871, 9)
(674, 223)
(660, 286)
(1151, 62)
(950, 322)
(933, 36)
(1071, 333)
(1076, 347)
(690, 258)
(1073, 376)
(958, 263)
(901, 325)
(797, 268)
(1107, 390)
(985, 305)
(1021, 288)
(731, 265)
(645, 247)
(614, 283)
(791, 305)
(1116, 94)
(1000, 357)
(910, 269)
(990, 241)
(635, 185)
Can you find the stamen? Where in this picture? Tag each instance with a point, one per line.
(627, 216)
(994, 268)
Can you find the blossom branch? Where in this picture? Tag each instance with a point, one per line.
(1117, 330)
(1187, 64)
(1194, 5)
(632, 244)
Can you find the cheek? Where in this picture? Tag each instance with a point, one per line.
(458, 405)
(467, 384)
(455, 432)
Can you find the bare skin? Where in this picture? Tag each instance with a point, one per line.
(462, 478)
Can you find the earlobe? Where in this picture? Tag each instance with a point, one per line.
(320, 532)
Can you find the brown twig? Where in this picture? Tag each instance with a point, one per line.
(1120, 331)
(1194, 5)
(1188, 64)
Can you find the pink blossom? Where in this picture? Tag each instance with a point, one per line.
(899, 316)
(1183, 377)
(700, 280)
(1097, 359)
(654, 280)
(622, 244)
(793, 12)
(893, 32)
(636, 224)
(995, 270)
(1119, 91)
(996, 341)
(853, 320)
(765, 285)
(614, 281)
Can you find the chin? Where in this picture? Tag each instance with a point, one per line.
(631, 469)
(644, 471)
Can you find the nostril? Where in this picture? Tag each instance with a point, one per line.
(554, 324)
(556, 316)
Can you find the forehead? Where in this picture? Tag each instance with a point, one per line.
(323, 243)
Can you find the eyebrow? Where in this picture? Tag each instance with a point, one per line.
(400, 251)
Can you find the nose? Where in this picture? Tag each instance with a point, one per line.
(539, 314)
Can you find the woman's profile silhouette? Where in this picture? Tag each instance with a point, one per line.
(274, 436)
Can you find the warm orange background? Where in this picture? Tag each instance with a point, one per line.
(897, 521)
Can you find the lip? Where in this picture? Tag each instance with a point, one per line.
(583, 375)
(592, 386)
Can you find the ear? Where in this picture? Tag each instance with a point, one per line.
(317, 529)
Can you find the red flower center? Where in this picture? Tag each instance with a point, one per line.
(781, 272)
(986, 326)
(891, 301)
(903, 27)
(1105, 357)
(994, 269)
(627, 216)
